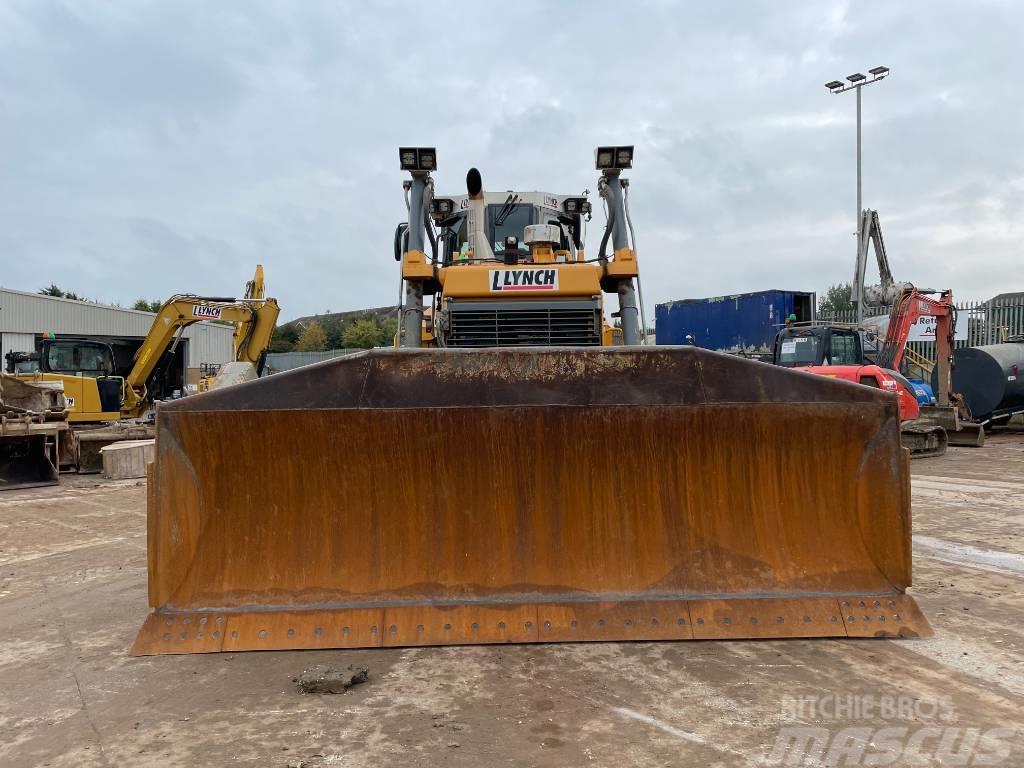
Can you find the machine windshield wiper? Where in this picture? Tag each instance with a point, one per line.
(506, 211)
(503, 214)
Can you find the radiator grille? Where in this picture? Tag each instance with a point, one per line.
(523, 323)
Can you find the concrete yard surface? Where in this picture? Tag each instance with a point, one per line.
(73, 594)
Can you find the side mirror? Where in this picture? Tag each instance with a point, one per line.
(401, 240)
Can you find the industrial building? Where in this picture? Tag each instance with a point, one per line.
(25, 317)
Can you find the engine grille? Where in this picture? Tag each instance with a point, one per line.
(523, 323)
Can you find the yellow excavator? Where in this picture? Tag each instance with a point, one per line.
(86, 370)
(510, 474)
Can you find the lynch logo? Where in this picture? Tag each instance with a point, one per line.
(201, 310)
(524, 279)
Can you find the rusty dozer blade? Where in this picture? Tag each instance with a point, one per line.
(426, 497)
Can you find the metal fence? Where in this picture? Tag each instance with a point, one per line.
(285, 361)
(987, 322)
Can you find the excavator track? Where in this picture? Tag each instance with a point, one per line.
(924, 440)
(428, 497)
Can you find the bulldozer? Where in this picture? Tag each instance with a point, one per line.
(510, 472)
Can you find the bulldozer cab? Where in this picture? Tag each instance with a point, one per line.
(502, 217)
(818, 345)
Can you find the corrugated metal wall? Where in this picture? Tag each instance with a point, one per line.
(29, 313)
(16, 342)
(209, 343)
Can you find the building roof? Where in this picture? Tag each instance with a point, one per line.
(1004, 298)
(24, 312)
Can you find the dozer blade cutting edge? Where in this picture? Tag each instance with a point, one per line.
(427, 497)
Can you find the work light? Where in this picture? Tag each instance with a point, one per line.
(442, 206)
(576, 205)
(418, 159)
(613, 158)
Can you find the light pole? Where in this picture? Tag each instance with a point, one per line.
(856, 82)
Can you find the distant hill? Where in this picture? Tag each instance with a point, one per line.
(341, 318)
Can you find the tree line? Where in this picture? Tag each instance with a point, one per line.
(141, 304)
(335, 333)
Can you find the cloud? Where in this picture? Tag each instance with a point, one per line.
(159, 147)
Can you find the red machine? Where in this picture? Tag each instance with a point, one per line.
(911, 305)
(839, 352)
(877, 377)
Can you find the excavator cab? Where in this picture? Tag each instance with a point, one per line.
(92, 359)
(799, 347)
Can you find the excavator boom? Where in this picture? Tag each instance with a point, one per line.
(254, 322)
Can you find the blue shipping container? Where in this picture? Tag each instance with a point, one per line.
(743, 322)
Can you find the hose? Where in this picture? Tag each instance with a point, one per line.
(401, 302)
(428, 225)
(602, 254)
(639, 285)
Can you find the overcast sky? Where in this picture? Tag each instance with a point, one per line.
(148, 148)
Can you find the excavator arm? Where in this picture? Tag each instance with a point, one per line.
(888, 290)
(252, 336)
(911, 305)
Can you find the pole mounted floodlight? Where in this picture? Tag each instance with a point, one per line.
(856, 81)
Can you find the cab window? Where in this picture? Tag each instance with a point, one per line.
(845, 350)
(799, 350)
(508, 221)
(75, 357)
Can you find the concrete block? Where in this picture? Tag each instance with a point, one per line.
(127, 458)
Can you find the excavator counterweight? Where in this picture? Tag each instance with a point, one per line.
(439, 496)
